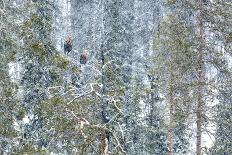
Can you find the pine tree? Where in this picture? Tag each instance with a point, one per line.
(10, 109)
(36, 58)
(172, 55)
(220, 26)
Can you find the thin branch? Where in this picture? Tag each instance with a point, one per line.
(119, 145)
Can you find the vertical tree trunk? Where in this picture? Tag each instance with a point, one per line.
(200, 68)
(199, 105)
(171, 110)
(104, 137)
(104, 143)
(105, 119)
(199, 124)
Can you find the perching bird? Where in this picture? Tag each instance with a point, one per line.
(68, 45)
(84, 57)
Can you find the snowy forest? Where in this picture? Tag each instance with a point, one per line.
(115, 77)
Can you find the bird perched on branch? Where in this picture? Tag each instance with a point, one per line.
(84, 57)
(68, 45)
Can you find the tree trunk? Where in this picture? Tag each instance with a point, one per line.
(171, 110)
(104, 145)
(105, 119)
(200, 72)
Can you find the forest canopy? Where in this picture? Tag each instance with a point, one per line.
(116, 77)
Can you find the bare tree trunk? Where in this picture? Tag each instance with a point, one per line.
(105, 135)
(105, 118)
(200, 72)
(170, 129)
(200, 103)
(199, 131)
(171, 110)
(104, 143)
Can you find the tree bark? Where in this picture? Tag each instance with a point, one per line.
(171, 111)
(170, 129)
(200, 72)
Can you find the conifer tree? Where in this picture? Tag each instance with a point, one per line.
(172, 56)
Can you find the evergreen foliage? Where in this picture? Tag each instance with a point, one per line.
(155, 78)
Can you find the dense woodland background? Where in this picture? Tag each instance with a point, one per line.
(156, 78)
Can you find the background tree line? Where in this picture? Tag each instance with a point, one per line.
(157, 79)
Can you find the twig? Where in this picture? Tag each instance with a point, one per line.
(119, 145)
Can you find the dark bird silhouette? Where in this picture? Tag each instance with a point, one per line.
(84, 57)
(68, 45)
